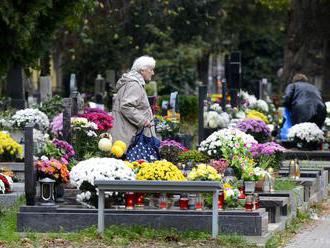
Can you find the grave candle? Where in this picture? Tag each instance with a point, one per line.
(130, 200)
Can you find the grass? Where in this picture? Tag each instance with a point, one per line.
(114, 236)
(285, 184)
(8, 218)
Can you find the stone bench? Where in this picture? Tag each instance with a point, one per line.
(276, 206)
(158, 186)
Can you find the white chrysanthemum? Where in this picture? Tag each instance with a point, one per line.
(100, 169)
(306, 131)
(216, 107)
(30, 116)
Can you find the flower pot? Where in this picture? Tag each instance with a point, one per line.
(259, 185)
(249, 186)
(308, 146)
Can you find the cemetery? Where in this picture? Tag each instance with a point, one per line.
(187, 129)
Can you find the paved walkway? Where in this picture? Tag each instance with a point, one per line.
(316, 236)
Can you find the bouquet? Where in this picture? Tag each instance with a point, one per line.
(6, 184)
(213, 119)
(260, 105)
(266, 149)
(83, 175)
(30, 116)
(102, 120)
(160, 170)
(84, 137)
(9, 148)
(257, 128)
(166, 128)
(254, 114)
(231, 195)
(306, 133)
(220, 165)
(170, 150)
(204, 172)
(226, 138)
(59, 149)
(251, 173)
(53, 169)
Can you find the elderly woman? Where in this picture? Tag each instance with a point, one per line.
(131, 108)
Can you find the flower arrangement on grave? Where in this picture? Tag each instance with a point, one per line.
(60, 150)
(305, 134)
(160, 170)
(220, 165)
(166, 127)
(136, 165)
(52, 106)
(9, 148)
(251, 173)
(254, 114)
(53, 169)
(84, 137)
(268, 155)
(226, 138)
(193, 156)
(6, 184)
(102, 120)
(105, 142)
(30, 116)
(204, 172)
(57, 125)
(260, 106)
(213, 119)
(170, 150)
(257, 128)
(231, 196)
(119, 148)
(94, 110)
(83, 175)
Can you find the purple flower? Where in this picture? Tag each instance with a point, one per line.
(94, 110)
(69, 152)
(172, 143)
(254, 126)
(57, 124)
(268, 148)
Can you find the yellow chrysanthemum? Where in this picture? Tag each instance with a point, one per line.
(254, 114)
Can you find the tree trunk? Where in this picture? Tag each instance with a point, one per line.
(307, 42)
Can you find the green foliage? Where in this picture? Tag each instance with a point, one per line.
(52, 107)
(194, 156)
(285, 184)
(27, 28)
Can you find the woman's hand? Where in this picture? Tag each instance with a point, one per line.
(147, 123)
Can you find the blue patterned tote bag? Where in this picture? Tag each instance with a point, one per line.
(143, 147)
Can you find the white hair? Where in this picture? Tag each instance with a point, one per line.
(143, 62)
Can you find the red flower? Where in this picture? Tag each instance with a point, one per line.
(103, 121)
(5, 182)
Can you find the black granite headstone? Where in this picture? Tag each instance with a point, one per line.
(15, 87)
(30, 171)
(67, 119)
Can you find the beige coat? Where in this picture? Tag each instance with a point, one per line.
(131, 108)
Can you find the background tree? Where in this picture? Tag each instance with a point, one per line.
(307, 45)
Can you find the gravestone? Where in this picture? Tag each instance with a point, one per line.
(15, 87)
(67, 119)
(99, 85)
(30, 171)
(235, 77)
(45, 88)
(202, 94)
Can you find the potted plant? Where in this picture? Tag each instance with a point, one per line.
(306, 135)
(257, 128)
(83, 175)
